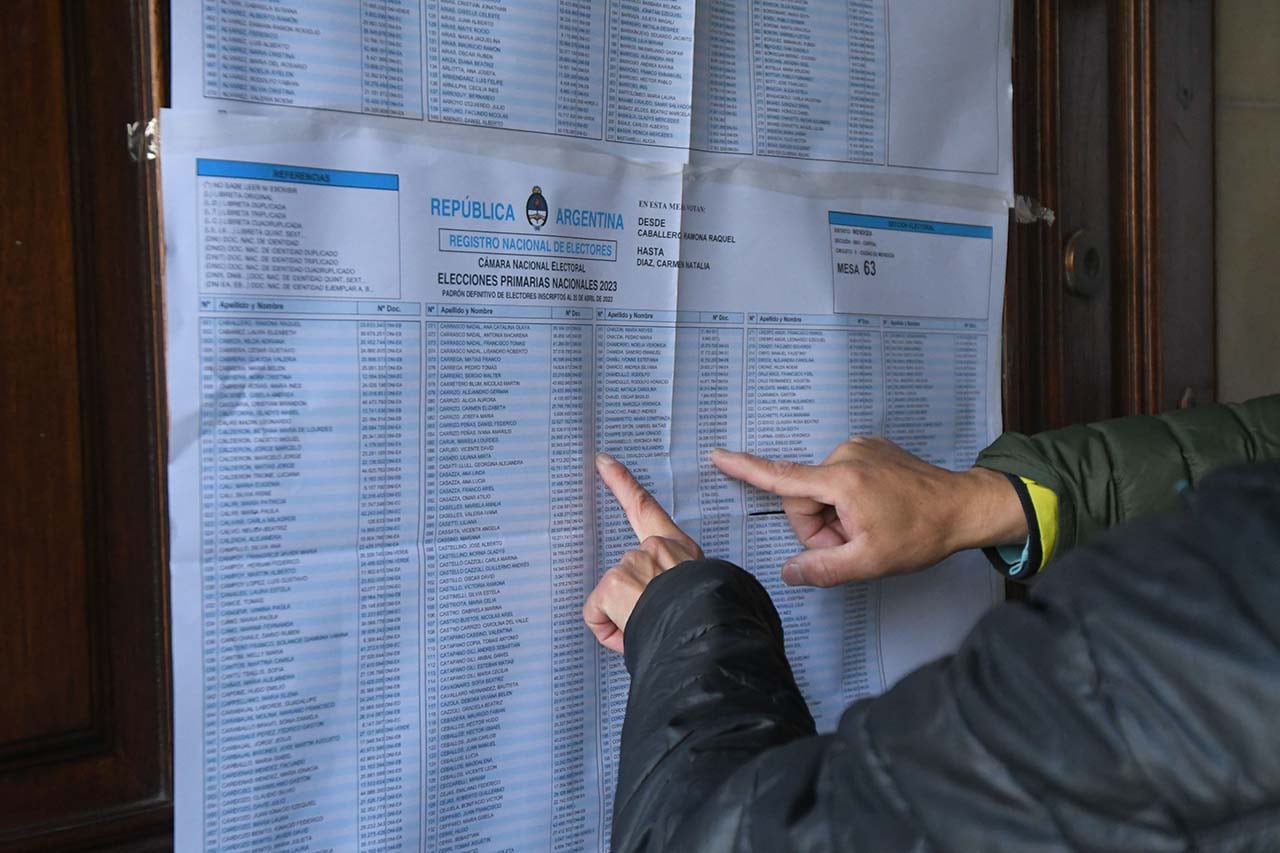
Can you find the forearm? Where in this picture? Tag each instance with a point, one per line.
(1111, 471)
(711, 688)
(985, 511)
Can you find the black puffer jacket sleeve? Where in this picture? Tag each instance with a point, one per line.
(1131, 704)
(1112, 471)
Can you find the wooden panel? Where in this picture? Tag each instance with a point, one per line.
(1058, 351)
(1184, 188)
(1113, 132)
(45, 610)
(1136, 297)
(1163, 163)
(84, 731)
(1084, 387)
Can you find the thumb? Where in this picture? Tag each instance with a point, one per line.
(828, 567)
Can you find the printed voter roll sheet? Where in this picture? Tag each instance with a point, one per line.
(390, 363)
(916, 89)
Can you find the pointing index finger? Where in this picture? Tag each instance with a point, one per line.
(788, 479)
(646, 515)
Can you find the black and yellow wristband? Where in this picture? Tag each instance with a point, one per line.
(1025, 561)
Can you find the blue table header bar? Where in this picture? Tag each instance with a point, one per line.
(917, 226)
(296, 175)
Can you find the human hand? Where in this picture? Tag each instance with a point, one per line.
(872, 509)
(663, 545)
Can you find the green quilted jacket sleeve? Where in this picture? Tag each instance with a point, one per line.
(1111, 471)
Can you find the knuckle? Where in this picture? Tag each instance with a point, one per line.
(607, 580)
(784, 469)
(823, 574)
(660, 550)
(864, 446)
(615, 578)
(645, 502)
(822, 578)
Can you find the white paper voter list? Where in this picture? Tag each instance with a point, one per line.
(899, 86)
(458, 248)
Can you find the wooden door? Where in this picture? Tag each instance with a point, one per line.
(1113, 131)
(84, 719)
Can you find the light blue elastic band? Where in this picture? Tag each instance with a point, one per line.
(1015, 557)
